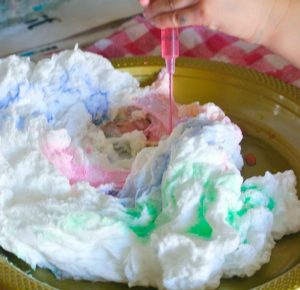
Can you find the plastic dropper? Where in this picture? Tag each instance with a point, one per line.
(170, 51)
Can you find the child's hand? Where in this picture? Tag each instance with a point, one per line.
(253, 20)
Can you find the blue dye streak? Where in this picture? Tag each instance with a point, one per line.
(20, 123)
(140, 185)
(60, 94)
(12, 96)
(97, 105)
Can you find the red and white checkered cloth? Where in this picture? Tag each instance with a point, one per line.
(139, 37)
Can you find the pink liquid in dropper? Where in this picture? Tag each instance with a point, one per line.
(170, 51)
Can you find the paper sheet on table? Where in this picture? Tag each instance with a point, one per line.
(71, 18)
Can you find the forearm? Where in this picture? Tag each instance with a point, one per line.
(284, 39)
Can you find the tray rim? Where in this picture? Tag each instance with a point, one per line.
(240, 72)
(234, 70)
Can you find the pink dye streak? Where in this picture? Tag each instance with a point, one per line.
(157, 107)
(69, 162)
(156, 121)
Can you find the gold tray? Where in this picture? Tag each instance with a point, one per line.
(267, 110)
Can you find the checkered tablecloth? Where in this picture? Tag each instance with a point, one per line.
(138, 37)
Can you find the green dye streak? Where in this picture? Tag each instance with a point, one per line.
(135, 212)
(49, 236)
(76, 222)
(244, 188)
(152, 209)
(164, 190)
(167, 190)
(271, 204)
(197, 171)
(233, 216)
(80, 221)
(202, 228)
(210, 191)
(246, 207)
(243, 211)
(143, 230)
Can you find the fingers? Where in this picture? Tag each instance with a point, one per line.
(192, 15)
(157, 7)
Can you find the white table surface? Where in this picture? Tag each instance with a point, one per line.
(81, 22)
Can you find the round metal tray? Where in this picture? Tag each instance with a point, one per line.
(267, 110)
